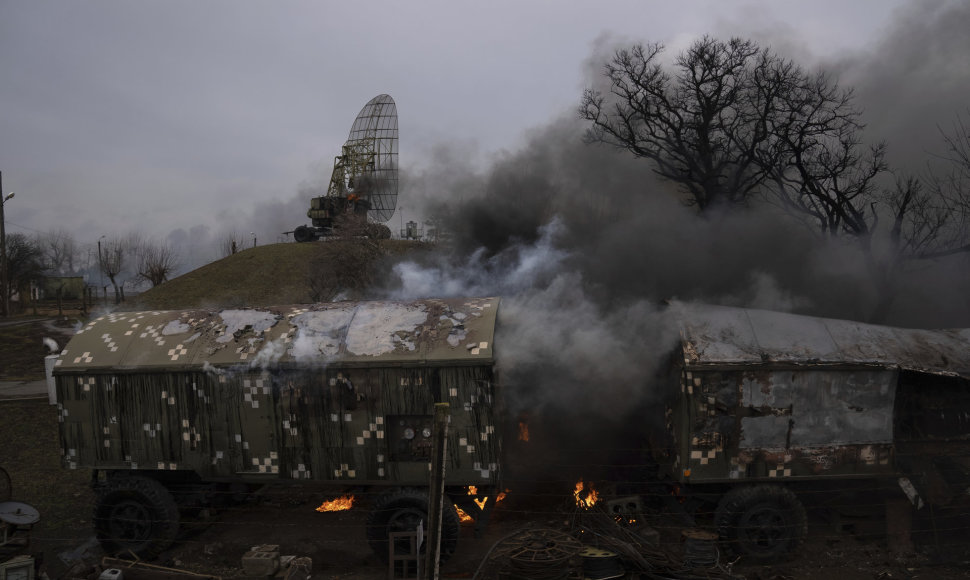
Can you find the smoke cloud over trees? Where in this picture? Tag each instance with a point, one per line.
(627, 235)
(585, 241)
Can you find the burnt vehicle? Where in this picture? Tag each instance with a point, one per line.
(764, 406)
(174, 410)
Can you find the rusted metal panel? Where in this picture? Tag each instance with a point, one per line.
(842, 408)
(767, 396)
(788, 423)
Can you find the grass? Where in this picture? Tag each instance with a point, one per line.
(30, 451)
(31, 455)
(22, 349)
(268, 275)
(273, 274)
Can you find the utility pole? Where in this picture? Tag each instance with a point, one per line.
(101, 271)
(4, 283)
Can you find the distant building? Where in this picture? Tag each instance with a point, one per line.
(71, 287)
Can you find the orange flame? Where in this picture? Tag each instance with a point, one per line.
(585, 495)
(341, 503)
(523, 431)
(462, 516)
(480, 502)
(623, 519)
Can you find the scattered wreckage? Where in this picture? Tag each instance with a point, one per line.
(178, 409)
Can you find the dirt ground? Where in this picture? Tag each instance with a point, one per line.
(335, 541)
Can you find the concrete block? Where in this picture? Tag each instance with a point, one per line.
(260, 563)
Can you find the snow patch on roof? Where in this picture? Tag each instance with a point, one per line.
(175, 327)
(236, 320)
(364, 329)
(379, 328)
(318, 333)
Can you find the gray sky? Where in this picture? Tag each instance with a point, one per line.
(152, 116)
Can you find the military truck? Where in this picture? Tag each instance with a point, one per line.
(173, 410)
(765, 406)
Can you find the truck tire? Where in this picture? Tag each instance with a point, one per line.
(400, 511)
(135, 515)
(761, 522)
(304, 234)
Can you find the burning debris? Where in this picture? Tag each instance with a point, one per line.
(339, 504)
(481, 502)
(462, 515)
(585, 494)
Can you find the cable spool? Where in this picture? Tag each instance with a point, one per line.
(541, 555)
(700, 549)
(601, 564)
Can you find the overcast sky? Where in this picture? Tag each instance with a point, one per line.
(152, 116)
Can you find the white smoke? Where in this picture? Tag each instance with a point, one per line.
(213, 370)
(507, 273)
(555, 344)
(269, 355)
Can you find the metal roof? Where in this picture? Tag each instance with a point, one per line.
(434, 331)
(721, 335)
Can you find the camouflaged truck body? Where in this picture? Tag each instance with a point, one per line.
(338, 392)
(767, 396)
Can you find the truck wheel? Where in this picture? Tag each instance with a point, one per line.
(135, 514)
(400, 511)
(761, 522)
(304, 234)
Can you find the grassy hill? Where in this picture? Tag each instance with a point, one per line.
(275, 274)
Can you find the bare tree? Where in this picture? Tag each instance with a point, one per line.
(25, 265)
(59, 250)
(830, 180)
(948, 177)
(735, 120)
(113, 259)
(156, 261)
(817, 166)
(230, 244)
(703, 127)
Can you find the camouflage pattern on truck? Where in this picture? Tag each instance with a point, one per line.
(339, 392)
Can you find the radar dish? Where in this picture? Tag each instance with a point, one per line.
(375, 132)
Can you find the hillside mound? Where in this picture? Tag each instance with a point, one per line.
(287, 273)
